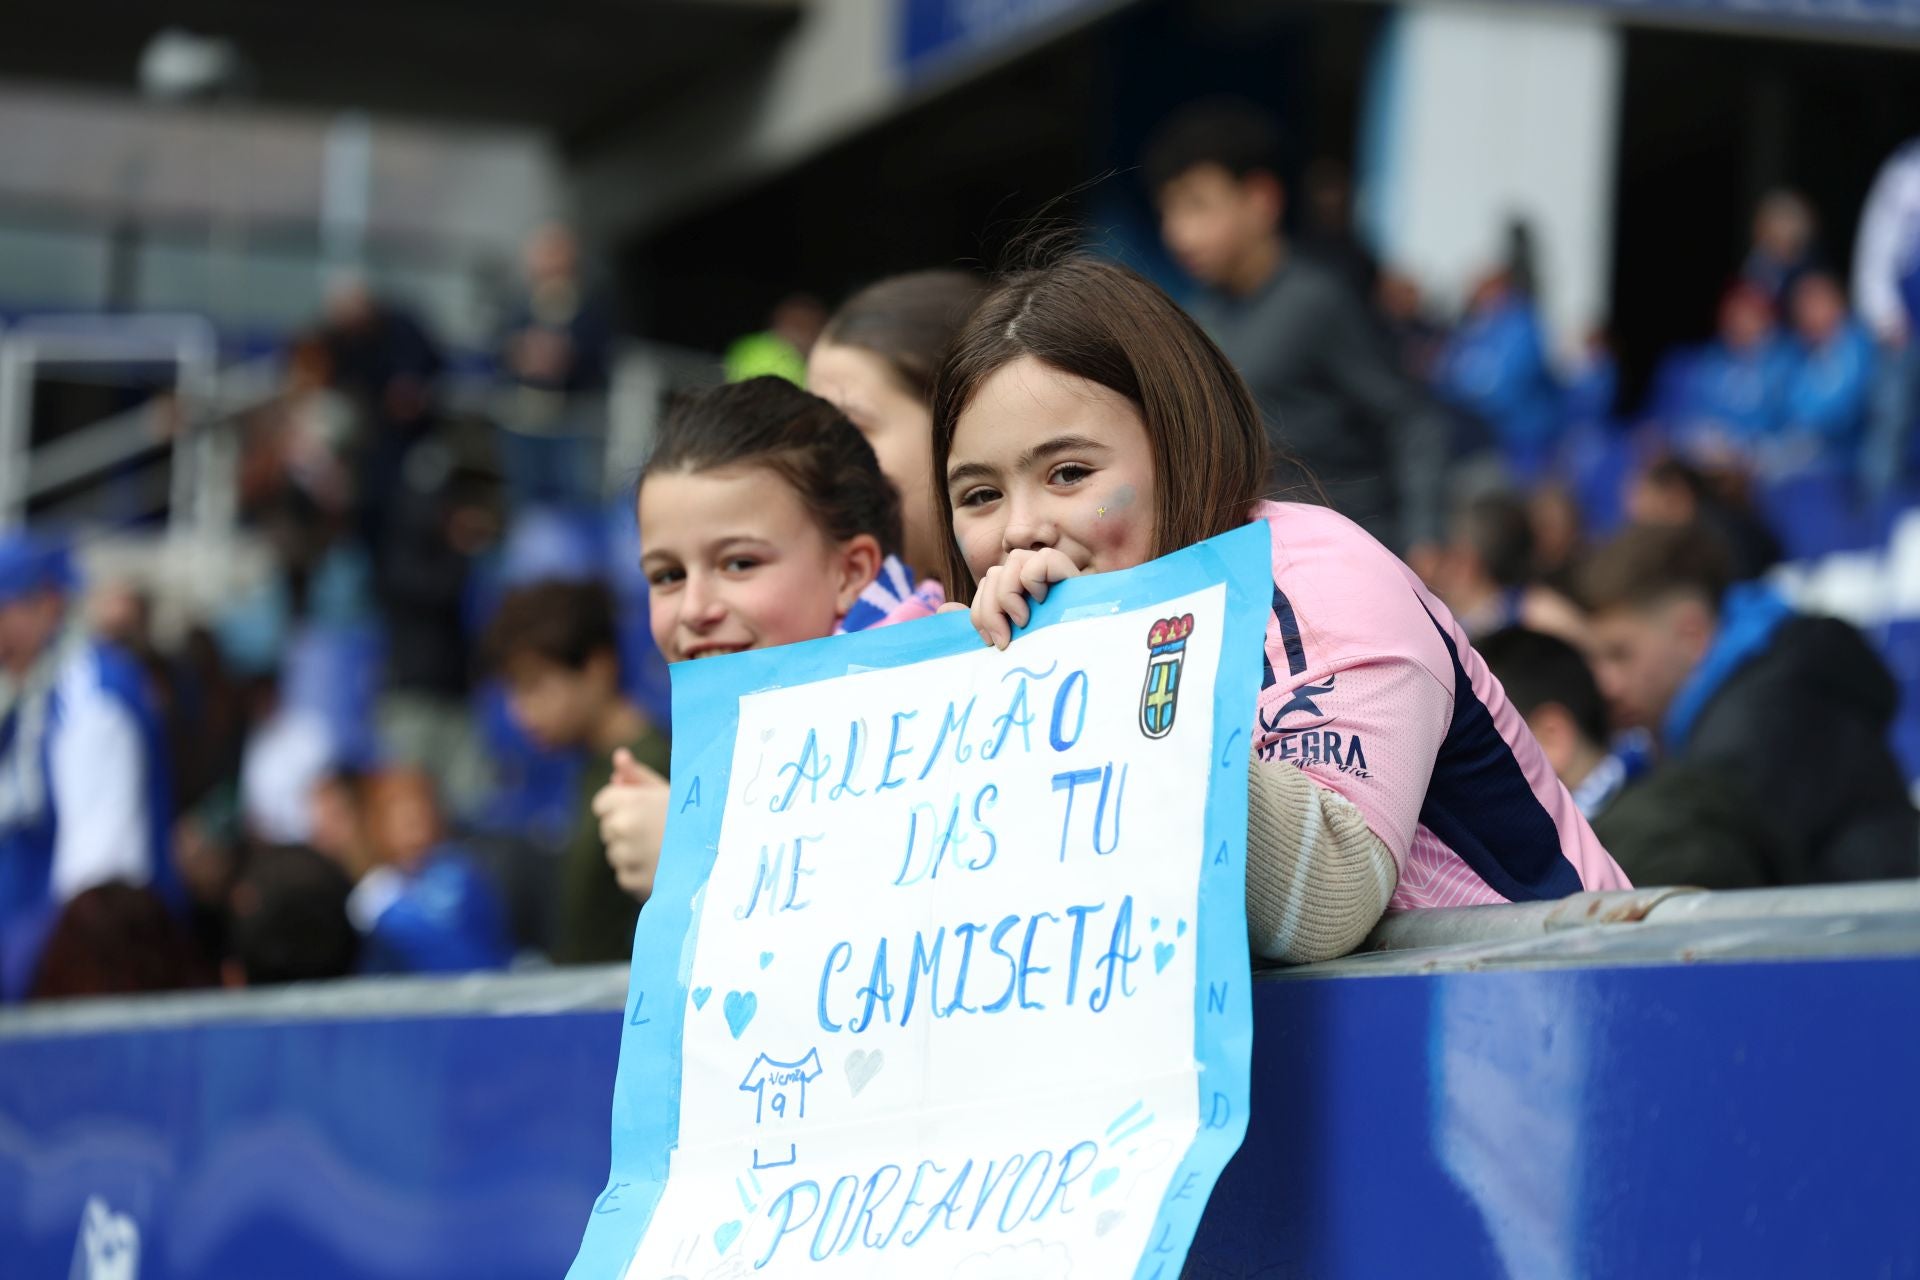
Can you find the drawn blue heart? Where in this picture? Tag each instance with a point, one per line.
(862, 1067)
(766, 958)
(1154, 922)
(1104, 1179)
(700, 995)
(740, 1007)
(725, 1234)
(1180, 929)
(1162, 953)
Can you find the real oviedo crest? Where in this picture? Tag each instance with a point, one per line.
(1166, 652)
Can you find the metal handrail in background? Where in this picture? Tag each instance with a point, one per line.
(201, 491)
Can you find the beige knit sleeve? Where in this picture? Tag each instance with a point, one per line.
(1318, 879)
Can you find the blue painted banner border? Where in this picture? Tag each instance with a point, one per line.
(706, 714)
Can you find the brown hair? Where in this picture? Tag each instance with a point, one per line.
(564, 623)
(769, 422)
(1649, 564)
(117, 939)
(908, 321)
(1099, 321)
(1499, 529)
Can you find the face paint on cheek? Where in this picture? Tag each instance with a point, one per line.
(1117, 501)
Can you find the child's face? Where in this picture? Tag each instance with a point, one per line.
(403, 818)
(899, 427)
(555, 705)
(1041, 458)
(1210, 220)
(734, 561)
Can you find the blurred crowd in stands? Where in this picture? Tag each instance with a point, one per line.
(381, 758)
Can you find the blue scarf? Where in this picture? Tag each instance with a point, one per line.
(1749, 616)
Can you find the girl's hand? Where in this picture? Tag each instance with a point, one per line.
(632, 810)
(1000, 604)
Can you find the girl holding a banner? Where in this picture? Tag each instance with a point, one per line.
(764, 520)
(1084, 423)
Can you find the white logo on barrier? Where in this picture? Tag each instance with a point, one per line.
(108, 1247)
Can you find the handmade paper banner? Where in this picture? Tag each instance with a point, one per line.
(946, 973)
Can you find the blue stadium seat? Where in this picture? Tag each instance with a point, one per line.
(1672, 387)
(1596, 460)
(1814, 513)
(550, 542)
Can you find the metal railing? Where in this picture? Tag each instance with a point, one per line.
(200, 488)
(1674, 926)
(192, 421)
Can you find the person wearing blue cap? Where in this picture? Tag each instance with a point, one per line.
(84, 796)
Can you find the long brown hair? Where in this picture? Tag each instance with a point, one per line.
(908, 321)
(1099, 321)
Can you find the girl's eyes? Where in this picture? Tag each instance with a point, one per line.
(1065, 475)
(673, 575)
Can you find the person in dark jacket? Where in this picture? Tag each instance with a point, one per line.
(1677, 823)
(444, 523)
(1335, 403)
(388, 366)
(557, 354)
(1797, 708)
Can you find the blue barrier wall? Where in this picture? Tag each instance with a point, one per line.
(408, 1147)
(1577, 1113)
(1743, 1120)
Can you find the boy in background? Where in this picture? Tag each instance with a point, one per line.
(555, 645)
(1333, 397)
(1674, 824)
(1795, 708)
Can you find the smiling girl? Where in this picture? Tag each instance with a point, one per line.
(764, 520)
(1084, 423)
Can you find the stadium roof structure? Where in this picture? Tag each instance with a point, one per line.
(573, 67)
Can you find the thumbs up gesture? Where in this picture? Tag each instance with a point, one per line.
(632, 809)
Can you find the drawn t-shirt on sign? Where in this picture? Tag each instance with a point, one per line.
(781, 1086)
